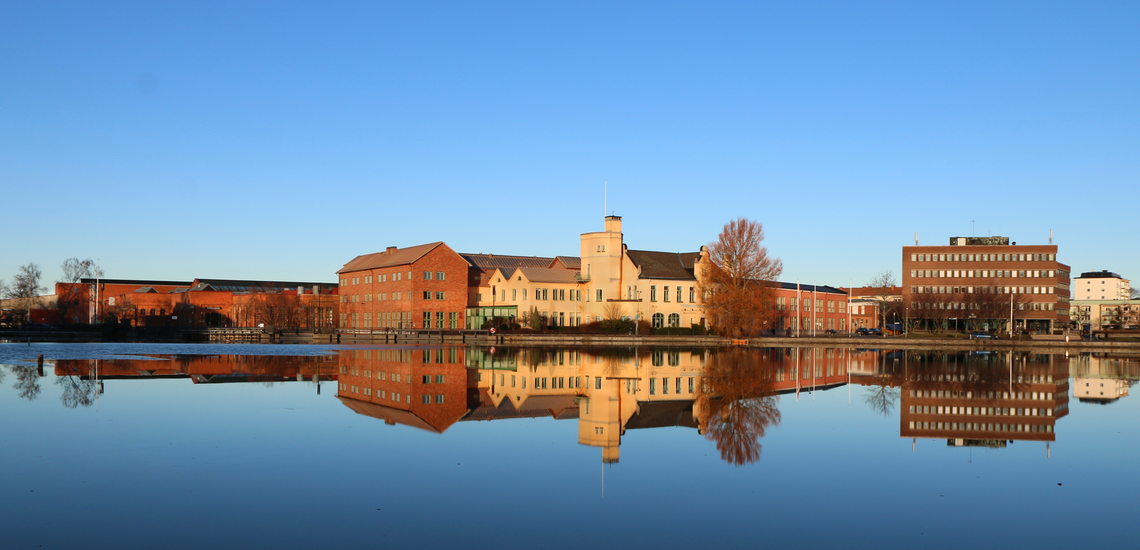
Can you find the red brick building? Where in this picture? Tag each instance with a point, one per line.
(421, 287)
(809, 310)
(199, 303)
(973, 282)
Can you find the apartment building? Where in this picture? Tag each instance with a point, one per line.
(974, 282)
(1101, 285)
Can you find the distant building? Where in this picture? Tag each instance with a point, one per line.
(974, 282)
(198, 303)
(1105, 314)
(1101, 285)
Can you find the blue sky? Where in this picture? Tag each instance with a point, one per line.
(174, 140)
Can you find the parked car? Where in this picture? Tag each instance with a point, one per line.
(831, 331)
(862, 331)
(982, 336)
(875, 331)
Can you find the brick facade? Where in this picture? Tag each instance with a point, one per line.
(417, 287)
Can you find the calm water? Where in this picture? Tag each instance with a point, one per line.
(189, 446)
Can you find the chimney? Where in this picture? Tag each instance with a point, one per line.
(316, 290)
(390, 250)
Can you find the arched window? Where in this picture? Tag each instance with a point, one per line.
(658, 320)
(674, 319)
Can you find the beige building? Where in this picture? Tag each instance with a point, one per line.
(1101, 285)
(607, 280)
(1105, 314)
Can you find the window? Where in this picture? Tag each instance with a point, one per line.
(658, 320)
(599, 295)
(665, 293)
(439, 277)
(427, 294)
(692, 295)
(674, 320)
(514, 294)
(439, 295)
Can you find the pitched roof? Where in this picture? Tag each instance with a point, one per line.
(664, 265)
(569, 262)
(493, 261)
(545, 275)
(389, 258)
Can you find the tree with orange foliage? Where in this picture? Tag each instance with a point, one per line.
(737, 294)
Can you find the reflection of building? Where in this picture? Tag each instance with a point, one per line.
(1099, 390)
(205, 369)
(1103, 378)
(607, 391)
(425, 388)
(983, 398)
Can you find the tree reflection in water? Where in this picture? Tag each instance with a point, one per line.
(739, 403)
(27, 382)
(76, 391)
(881, 397)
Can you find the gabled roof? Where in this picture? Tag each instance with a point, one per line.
(395, 416)
(545, 275)
(566, 262)
(493, 261)
(389, 258)
(664, 265)
(146, 290)
(140, 282)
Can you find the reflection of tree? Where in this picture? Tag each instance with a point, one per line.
(27, 382)
(2, 375)
(881, 397)
(76, 391)
(740, 405)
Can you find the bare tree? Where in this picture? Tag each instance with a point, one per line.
(71, 294)
(886, 294)
(27, 382)
(738, 301)
(25, 288)
(613, 311)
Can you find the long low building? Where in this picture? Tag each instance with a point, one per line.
(199, 303)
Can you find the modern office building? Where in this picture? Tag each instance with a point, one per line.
(980, 283)
(1101, 285)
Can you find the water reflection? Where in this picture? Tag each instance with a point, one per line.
(729, 396)
(974, 398)
(82, 380)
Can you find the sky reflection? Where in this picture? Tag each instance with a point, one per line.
(401, 441)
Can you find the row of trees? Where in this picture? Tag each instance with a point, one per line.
(26, 288)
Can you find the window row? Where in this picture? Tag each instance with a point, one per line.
(665, 385)
(982, 273)
(982, 257)
(980, 411)
(983, 395)
(677, 293)
(382, 278)
(981, 290)
(981, 427)
(792, 303)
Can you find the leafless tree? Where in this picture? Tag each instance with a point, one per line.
(25, 288)
(70, 295)
(886, 294)
(76, 392)
(27, 382)
(738, 301)
(613, 311)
